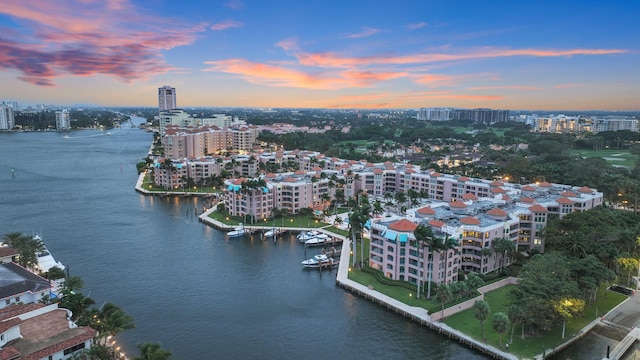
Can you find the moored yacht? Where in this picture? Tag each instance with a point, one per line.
(317, 261)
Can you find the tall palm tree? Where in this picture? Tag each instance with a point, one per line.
(400, 198)
(114, 320)
(28, 247)
(424, 238)
(447, 244)
(504, 248)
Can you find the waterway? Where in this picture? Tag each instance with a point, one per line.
(188, 287)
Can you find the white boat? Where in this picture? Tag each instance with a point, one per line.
(273, 232)
(238, 231)
(307, 235)
(45, 259)
(317, 261)
(318, 240)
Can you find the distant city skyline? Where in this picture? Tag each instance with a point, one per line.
(573, 55)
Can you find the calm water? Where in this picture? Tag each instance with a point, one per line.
(202, 296)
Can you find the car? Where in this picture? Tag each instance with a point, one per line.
(621, 290)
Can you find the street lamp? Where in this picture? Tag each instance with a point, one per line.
(410, 298)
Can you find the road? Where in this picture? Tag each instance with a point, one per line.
(627, 314)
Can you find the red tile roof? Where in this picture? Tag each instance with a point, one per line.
(568, 194)
(426, 211)
(470, 220)
(585, 190)
(525, 199)
(545, 184)
(457, 204)
(496, 183)
(436, 223)
(528, 188)
(498, 190)
(565, 201)
(463, 178)
(497, 212)
(377, 171)
(537, 208)
(403, 225)
(469, 196)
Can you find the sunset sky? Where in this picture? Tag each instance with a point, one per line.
(537, 55)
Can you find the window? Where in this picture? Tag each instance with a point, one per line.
(17, 298)
(73, 349)
(8, 302)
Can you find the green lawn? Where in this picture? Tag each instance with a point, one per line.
(613, 157)
(530, 346)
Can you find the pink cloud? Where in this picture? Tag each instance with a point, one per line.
(435, 80)
(415, 26)
(566, 86)
(509, 87)
(366, 32)
(228, 24)
(272, 75)
(87, 38)
(288, 44)
(329, 59)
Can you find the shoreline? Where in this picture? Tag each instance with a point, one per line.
(417, 314)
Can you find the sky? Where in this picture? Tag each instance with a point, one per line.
(528, 55)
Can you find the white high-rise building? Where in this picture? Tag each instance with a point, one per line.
(166, 98)
(7, 117)
(63, 121)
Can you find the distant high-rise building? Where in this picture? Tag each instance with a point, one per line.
(63, 121)
(7, 117)
(166, 98)
(12, 103)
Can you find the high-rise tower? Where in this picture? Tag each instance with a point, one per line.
(166, 98)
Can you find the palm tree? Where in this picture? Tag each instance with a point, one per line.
(444, 295)
(516, 316)
(482, 312)
(500, 323)
(484, 252)
(447, 244)
(356, 226)
(55, 273)
(28, 247)
(504, 247)
(114, 320)
(377, 208)
(152, 351)
(400, 198)
(73, 283)
(424, 238)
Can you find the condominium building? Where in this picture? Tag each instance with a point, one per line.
(485, 116)
(166, 98)
(7, 117)
(183, 142)
(63, 121)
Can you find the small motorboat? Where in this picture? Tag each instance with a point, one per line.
(238, 231)
(273, 232)
(307, 235)
(317, 261)
(318, 240)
